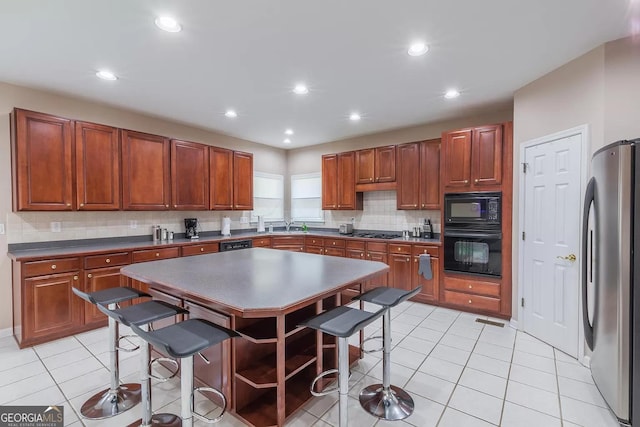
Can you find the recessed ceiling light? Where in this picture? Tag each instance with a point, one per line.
(106, 75)
(231, 114)
(300, 89)
(287, 141)
(168, 24)
(418, 49)
(451, 93)
(288, 132)
(354, 117)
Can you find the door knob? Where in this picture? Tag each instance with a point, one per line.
(570, 257)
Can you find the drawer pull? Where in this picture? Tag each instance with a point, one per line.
(107, 260)
(470, 302)
(408, 259)
(53, 267)
(333, 243)
(75, 277)
(470, 286)
(157, 253)
(89, 275)
(476, 181)
(201, 249)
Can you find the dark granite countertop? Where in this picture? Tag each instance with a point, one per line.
(39, 250)
(250, 282)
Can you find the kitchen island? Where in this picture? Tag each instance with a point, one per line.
(263, 294)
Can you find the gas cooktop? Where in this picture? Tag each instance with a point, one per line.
(377, 235)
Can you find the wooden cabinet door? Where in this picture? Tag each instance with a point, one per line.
(430, 287)
(217, 373)
(242, 181)
(97, 280)
(400, 274)
(385, 167)
(457, 158)
(346, 181)
(146, 175)
(365, 166)
(51, 308)
(486, 162)
(189, 175)
(42, 154)
(408, 186)
(381, 280)
(97, 167)
(221, 178)
(430, 174)
(330, 182)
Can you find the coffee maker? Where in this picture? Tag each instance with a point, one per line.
(191, 227)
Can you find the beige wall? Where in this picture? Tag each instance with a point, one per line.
(599, 89)
(34, 226)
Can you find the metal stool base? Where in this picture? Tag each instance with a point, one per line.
(106, 403)
(391, 404)
(161, 420)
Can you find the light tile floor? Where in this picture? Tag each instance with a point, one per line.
(459, 372)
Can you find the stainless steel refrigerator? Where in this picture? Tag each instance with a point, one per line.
(611, 252)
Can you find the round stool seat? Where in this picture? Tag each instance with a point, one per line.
(387, 297)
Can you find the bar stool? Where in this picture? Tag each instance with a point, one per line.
(341, 322)
(384, 400)
(118, 397)
(182, 340)
(141, 316)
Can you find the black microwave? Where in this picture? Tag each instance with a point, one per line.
(473, 210)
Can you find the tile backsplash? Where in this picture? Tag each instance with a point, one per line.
(379, 213)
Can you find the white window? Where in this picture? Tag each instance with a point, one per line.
(306, 198)
(268, 197)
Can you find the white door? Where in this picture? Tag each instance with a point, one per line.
(550, 269)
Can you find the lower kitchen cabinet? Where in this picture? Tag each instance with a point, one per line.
(430, 287)
(52, 309)
(261, 242)
(96, 280)
(400, 265)
(472, 294)
(288, 243)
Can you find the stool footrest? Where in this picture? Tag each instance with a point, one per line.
(201, 417)
(167, 360)
(318, 378)
(375, 350)
(126, 349)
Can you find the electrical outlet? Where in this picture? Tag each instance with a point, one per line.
(56, 226)
(1, 228)
(133, 223)
(244, 220)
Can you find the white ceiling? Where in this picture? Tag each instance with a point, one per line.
(248, 55)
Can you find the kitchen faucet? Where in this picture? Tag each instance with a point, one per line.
(288, 224)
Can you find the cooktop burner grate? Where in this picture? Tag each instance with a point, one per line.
(377, 235)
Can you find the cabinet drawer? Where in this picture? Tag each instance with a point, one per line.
(107, 260)
(355, 244)
(50, 266)
(155, 254)
(203, 248)
(287, 241)
(472, 286)
(292, 248)
(472, 301)
(431, 250)
(313, 241)
(398, 248)
(262, 242)
(376, 247)
(334, 243)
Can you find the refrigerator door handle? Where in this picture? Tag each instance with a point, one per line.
(589, 199)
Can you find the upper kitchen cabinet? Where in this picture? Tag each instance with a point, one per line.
(375, 168)
(42, 154)
(338, 182)
(419, 175)
(472, 158)
(221, 178)
(189, 175)
(231, 179)
(97, 167)
(146, 175)
(242, 181)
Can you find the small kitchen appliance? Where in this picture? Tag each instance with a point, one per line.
(346, 229)
(191, 228)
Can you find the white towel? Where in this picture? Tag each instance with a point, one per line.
(424, 266)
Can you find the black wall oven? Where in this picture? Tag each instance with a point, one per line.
(473, 233)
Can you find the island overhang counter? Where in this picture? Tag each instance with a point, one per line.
(263, 294)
